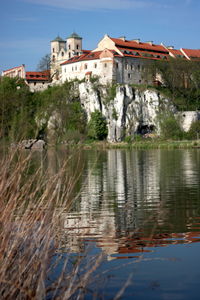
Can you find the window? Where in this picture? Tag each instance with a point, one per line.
(69, 47)
(69, 55)
(126, 66)
(132, 67)
(53, 58)
(95, 65)
(85, 66)
(76, 68)
(129, 76)
(62, 53)
(117, 65)
(77, 47)
(72, 69)
(53, 50)
(138, 67)
(105, 65)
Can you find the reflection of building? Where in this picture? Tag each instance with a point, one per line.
(124, 203)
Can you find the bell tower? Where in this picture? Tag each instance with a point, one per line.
(58, 48)
(74, 45)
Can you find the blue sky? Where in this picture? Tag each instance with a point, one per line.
(28, 26)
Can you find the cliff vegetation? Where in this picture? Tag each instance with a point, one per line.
(78, 111)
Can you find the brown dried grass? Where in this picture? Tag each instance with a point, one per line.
(31, 208)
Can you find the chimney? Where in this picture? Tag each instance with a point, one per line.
(136, 40)
(123, 38)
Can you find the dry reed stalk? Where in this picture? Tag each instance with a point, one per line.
(31, 207)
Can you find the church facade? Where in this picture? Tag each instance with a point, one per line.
(113, 60)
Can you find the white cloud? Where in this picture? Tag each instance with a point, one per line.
(96, 4)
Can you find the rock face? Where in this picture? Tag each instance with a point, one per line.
(187, 118)
(31, 144)
(131, 111)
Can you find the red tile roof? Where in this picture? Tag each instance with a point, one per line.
(177, 53)
(87, 56)
(38, 76)
(143, 54)
(139, 46)
(192, 53)
(22, 66)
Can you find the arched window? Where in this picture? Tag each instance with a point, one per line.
(62, 53)
(69, 47)
(53, 58)
(77, 47)
(85, 66)
(53, 50)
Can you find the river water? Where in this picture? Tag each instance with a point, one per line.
(142, 210)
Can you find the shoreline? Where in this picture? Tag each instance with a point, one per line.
(185, 144)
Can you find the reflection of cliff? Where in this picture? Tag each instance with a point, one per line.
(131, 200)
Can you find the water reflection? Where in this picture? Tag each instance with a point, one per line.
(133, 200)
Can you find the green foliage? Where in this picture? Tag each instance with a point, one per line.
(128, 139)
(111, 92)
(181, 81)
(114, 114)
(170, 128)
(20, 109)
(194, 132)
(97, 127)
(94, 79)
(17, 106)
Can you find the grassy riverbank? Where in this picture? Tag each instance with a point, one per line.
(145, 144)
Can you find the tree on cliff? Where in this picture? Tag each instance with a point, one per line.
(97, 126)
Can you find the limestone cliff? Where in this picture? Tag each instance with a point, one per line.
(131, 111)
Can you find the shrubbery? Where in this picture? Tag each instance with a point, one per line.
(97, 127)
(194, 132)
(19, 110)
(170, 127)
(180, 81)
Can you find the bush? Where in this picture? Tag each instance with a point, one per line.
(170, 127)
(97, 127)
(194, 132)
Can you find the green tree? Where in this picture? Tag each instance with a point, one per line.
(170, 127)
(194, 132)
(97, 126)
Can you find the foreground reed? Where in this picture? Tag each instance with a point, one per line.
(31, 206)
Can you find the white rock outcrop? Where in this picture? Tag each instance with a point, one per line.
(131, 111)
(187, 118)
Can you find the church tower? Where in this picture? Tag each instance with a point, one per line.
(58, 55)
(74, 45)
